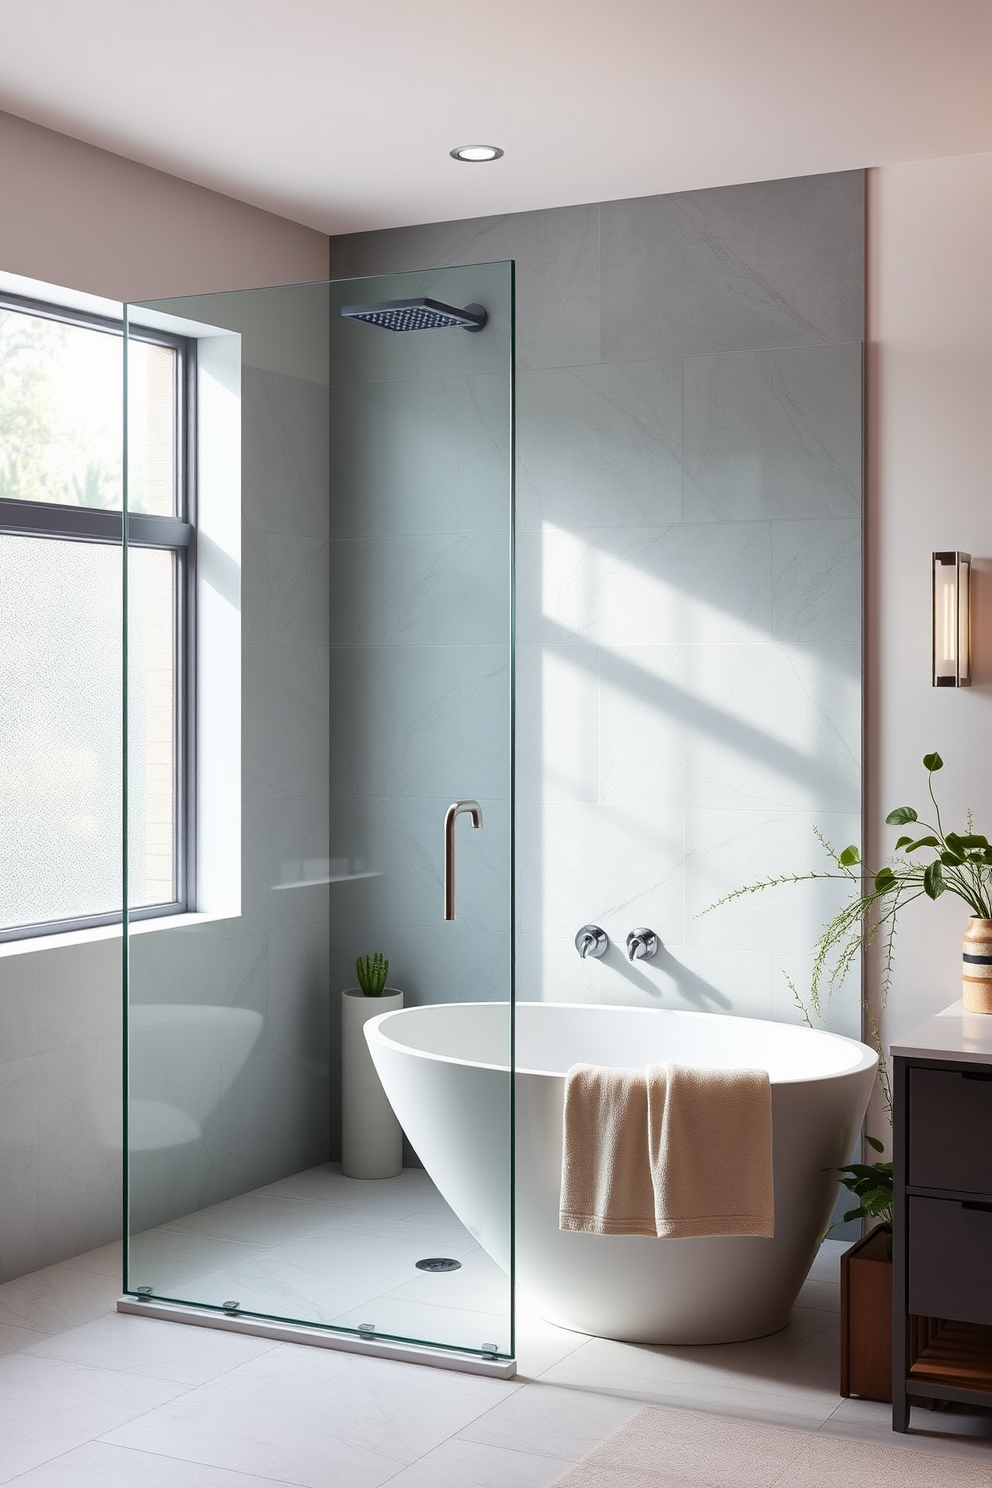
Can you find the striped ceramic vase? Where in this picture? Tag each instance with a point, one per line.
(977, 966)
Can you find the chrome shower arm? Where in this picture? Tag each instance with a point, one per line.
(454, 810)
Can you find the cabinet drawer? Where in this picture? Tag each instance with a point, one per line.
(950, 1124)
(950, 1259)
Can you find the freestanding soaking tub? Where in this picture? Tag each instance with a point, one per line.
(446, 1071)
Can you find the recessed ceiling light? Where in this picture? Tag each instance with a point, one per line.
(476, 152)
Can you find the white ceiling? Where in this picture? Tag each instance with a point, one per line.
(341, 113)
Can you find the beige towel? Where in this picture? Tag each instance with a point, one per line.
(605, 1158)
(711, 1151)
(668, 1151)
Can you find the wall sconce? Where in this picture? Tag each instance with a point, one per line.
(951, 620)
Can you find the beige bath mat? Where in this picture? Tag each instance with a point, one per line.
(662, 1448)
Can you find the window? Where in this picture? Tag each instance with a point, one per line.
(61, 643)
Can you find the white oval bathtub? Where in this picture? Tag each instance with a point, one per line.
(446, 1071)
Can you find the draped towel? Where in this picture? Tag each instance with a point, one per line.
(670, 1151)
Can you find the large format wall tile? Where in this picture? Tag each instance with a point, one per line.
(773, 434)
(296, 599)
(299, 978)
(79, 1148)
(394, 456)
(657, 586)
(450, 588)
(558, 723)
(284, 454)
(19, 1162)
(775, 263)
(646, 717)
(768, 726)
(485, 476)
(415, 720)
(355, 594)
(18, 1006)
(285, 710)
(600, 446)
(816, 580)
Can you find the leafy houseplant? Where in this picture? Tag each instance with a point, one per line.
(372, 973)
(871, 1185)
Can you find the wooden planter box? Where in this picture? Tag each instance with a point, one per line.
(866, 1318)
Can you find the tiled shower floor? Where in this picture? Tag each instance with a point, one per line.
(321, 1248)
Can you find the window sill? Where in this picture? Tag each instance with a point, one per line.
(62, 940)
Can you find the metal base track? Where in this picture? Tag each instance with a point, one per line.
(408, 1353)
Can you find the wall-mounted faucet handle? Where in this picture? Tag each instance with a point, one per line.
(642, 944)
(591, 941)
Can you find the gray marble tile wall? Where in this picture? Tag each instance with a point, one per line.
(688, 575)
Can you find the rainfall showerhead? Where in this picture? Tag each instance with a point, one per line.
(416, 315)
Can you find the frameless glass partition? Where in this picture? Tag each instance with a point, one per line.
(318, 668)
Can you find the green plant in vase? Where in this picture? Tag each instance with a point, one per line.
(926, 863)
(372, 973)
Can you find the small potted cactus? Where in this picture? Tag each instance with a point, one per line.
(371, 1138)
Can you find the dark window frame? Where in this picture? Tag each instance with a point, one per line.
(41, 519)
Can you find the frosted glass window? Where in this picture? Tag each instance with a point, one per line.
(152, 726)
(60, 730)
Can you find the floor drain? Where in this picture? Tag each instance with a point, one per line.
(439, 1263)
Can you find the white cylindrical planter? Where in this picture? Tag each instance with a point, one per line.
(371, 1137)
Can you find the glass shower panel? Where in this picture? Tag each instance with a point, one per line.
(357, 583)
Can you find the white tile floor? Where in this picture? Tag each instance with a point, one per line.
(93, 1399)
(322, 1248)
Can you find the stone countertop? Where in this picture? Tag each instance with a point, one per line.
(952, 1034)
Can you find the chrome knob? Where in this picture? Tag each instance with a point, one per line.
(591, 941)
(642, 944)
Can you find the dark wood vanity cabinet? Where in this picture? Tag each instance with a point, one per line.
(942, 1213)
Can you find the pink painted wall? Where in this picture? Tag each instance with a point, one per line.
(929, 487)
(75, 215)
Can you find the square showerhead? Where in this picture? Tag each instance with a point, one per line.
(416, 315)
